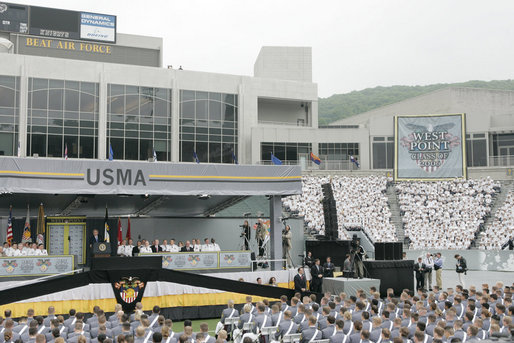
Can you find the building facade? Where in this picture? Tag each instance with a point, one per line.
(84, 99)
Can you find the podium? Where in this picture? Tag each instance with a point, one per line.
(102, 249)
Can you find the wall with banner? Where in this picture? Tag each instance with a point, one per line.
(430, 147)
(205, 260)
(35, 265)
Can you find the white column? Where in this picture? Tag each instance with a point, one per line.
(102, 119)
(22, 120)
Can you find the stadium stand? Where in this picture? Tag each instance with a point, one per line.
(445, 214)
(362, 204)
(501, 229)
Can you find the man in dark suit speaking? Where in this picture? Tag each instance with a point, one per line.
(300, 282)
(94, 239)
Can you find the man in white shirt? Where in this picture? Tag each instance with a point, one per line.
(121, 248)
(129, 247)
(206, 246)
(173, 246)
(146, 248)
(196, 245)
(429, 264)
(31, 251)
(41, 251)
(10, 250)
(165, 246)
(215, 246)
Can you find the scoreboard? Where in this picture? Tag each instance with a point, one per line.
(57, 23)
(14, 18)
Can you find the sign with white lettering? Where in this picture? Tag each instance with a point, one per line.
(99, 27)
(430, 147)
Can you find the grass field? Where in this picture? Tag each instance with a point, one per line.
(179, 326)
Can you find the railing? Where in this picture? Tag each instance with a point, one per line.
(309, 165)
(501, 161)
(269, 122)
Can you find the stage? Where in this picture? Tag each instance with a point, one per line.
(336, 285)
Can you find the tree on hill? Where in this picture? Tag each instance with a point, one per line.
(340, 106)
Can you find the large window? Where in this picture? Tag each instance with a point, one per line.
(9, 114)
(383, 152)
(502, 149)
(139, 122)
(62, 114)
(339, 151)
(476, 150)
(290, 153)
(208, 126)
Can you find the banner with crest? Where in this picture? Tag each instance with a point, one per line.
(430, 147)
(35, 265)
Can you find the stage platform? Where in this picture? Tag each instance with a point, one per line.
(336, 285)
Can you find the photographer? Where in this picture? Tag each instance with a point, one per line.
(245, 234)
(358, 255)
(429, 266)
(286, 245)
(438, 267)
(260, 236)
(461, 268)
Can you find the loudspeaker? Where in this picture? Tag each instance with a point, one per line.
(398, 251)
(252, 255)
(380, 251)
(388, 251)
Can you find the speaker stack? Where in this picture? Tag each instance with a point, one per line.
(388, 251)
(329, 212)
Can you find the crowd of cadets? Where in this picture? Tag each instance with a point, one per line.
(23, 249)
(451, 316)
(100, 328)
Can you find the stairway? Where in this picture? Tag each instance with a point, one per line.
(497, 203)
(396, 218)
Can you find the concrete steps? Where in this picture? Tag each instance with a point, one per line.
(499, 199)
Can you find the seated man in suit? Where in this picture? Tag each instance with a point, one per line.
(156, 247)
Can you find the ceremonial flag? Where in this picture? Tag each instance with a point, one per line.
(354, 160)
(40, 225)
(107, 237)
(315, 159)
(195, 156)
(128, 230)
(234, 158)
(19, 149)
(111, 153)
(9, 227)
(120, 231)
(26, 229)
(275, 160)
(65, 151)
(154, 156)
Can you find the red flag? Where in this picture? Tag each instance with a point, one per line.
(120, 231)
(128, 230)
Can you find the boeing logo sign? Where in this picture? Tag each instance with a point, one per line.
(100, 27)
(119, 177)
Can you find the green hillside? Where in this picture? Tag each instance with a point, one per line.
(339, 106)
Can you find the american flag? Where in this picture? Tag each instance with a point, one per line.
(65, 151)
(9, 227)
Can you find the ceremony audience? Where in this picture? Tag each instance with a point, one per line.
(444, 214)
(439, 316)
(498, 233)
